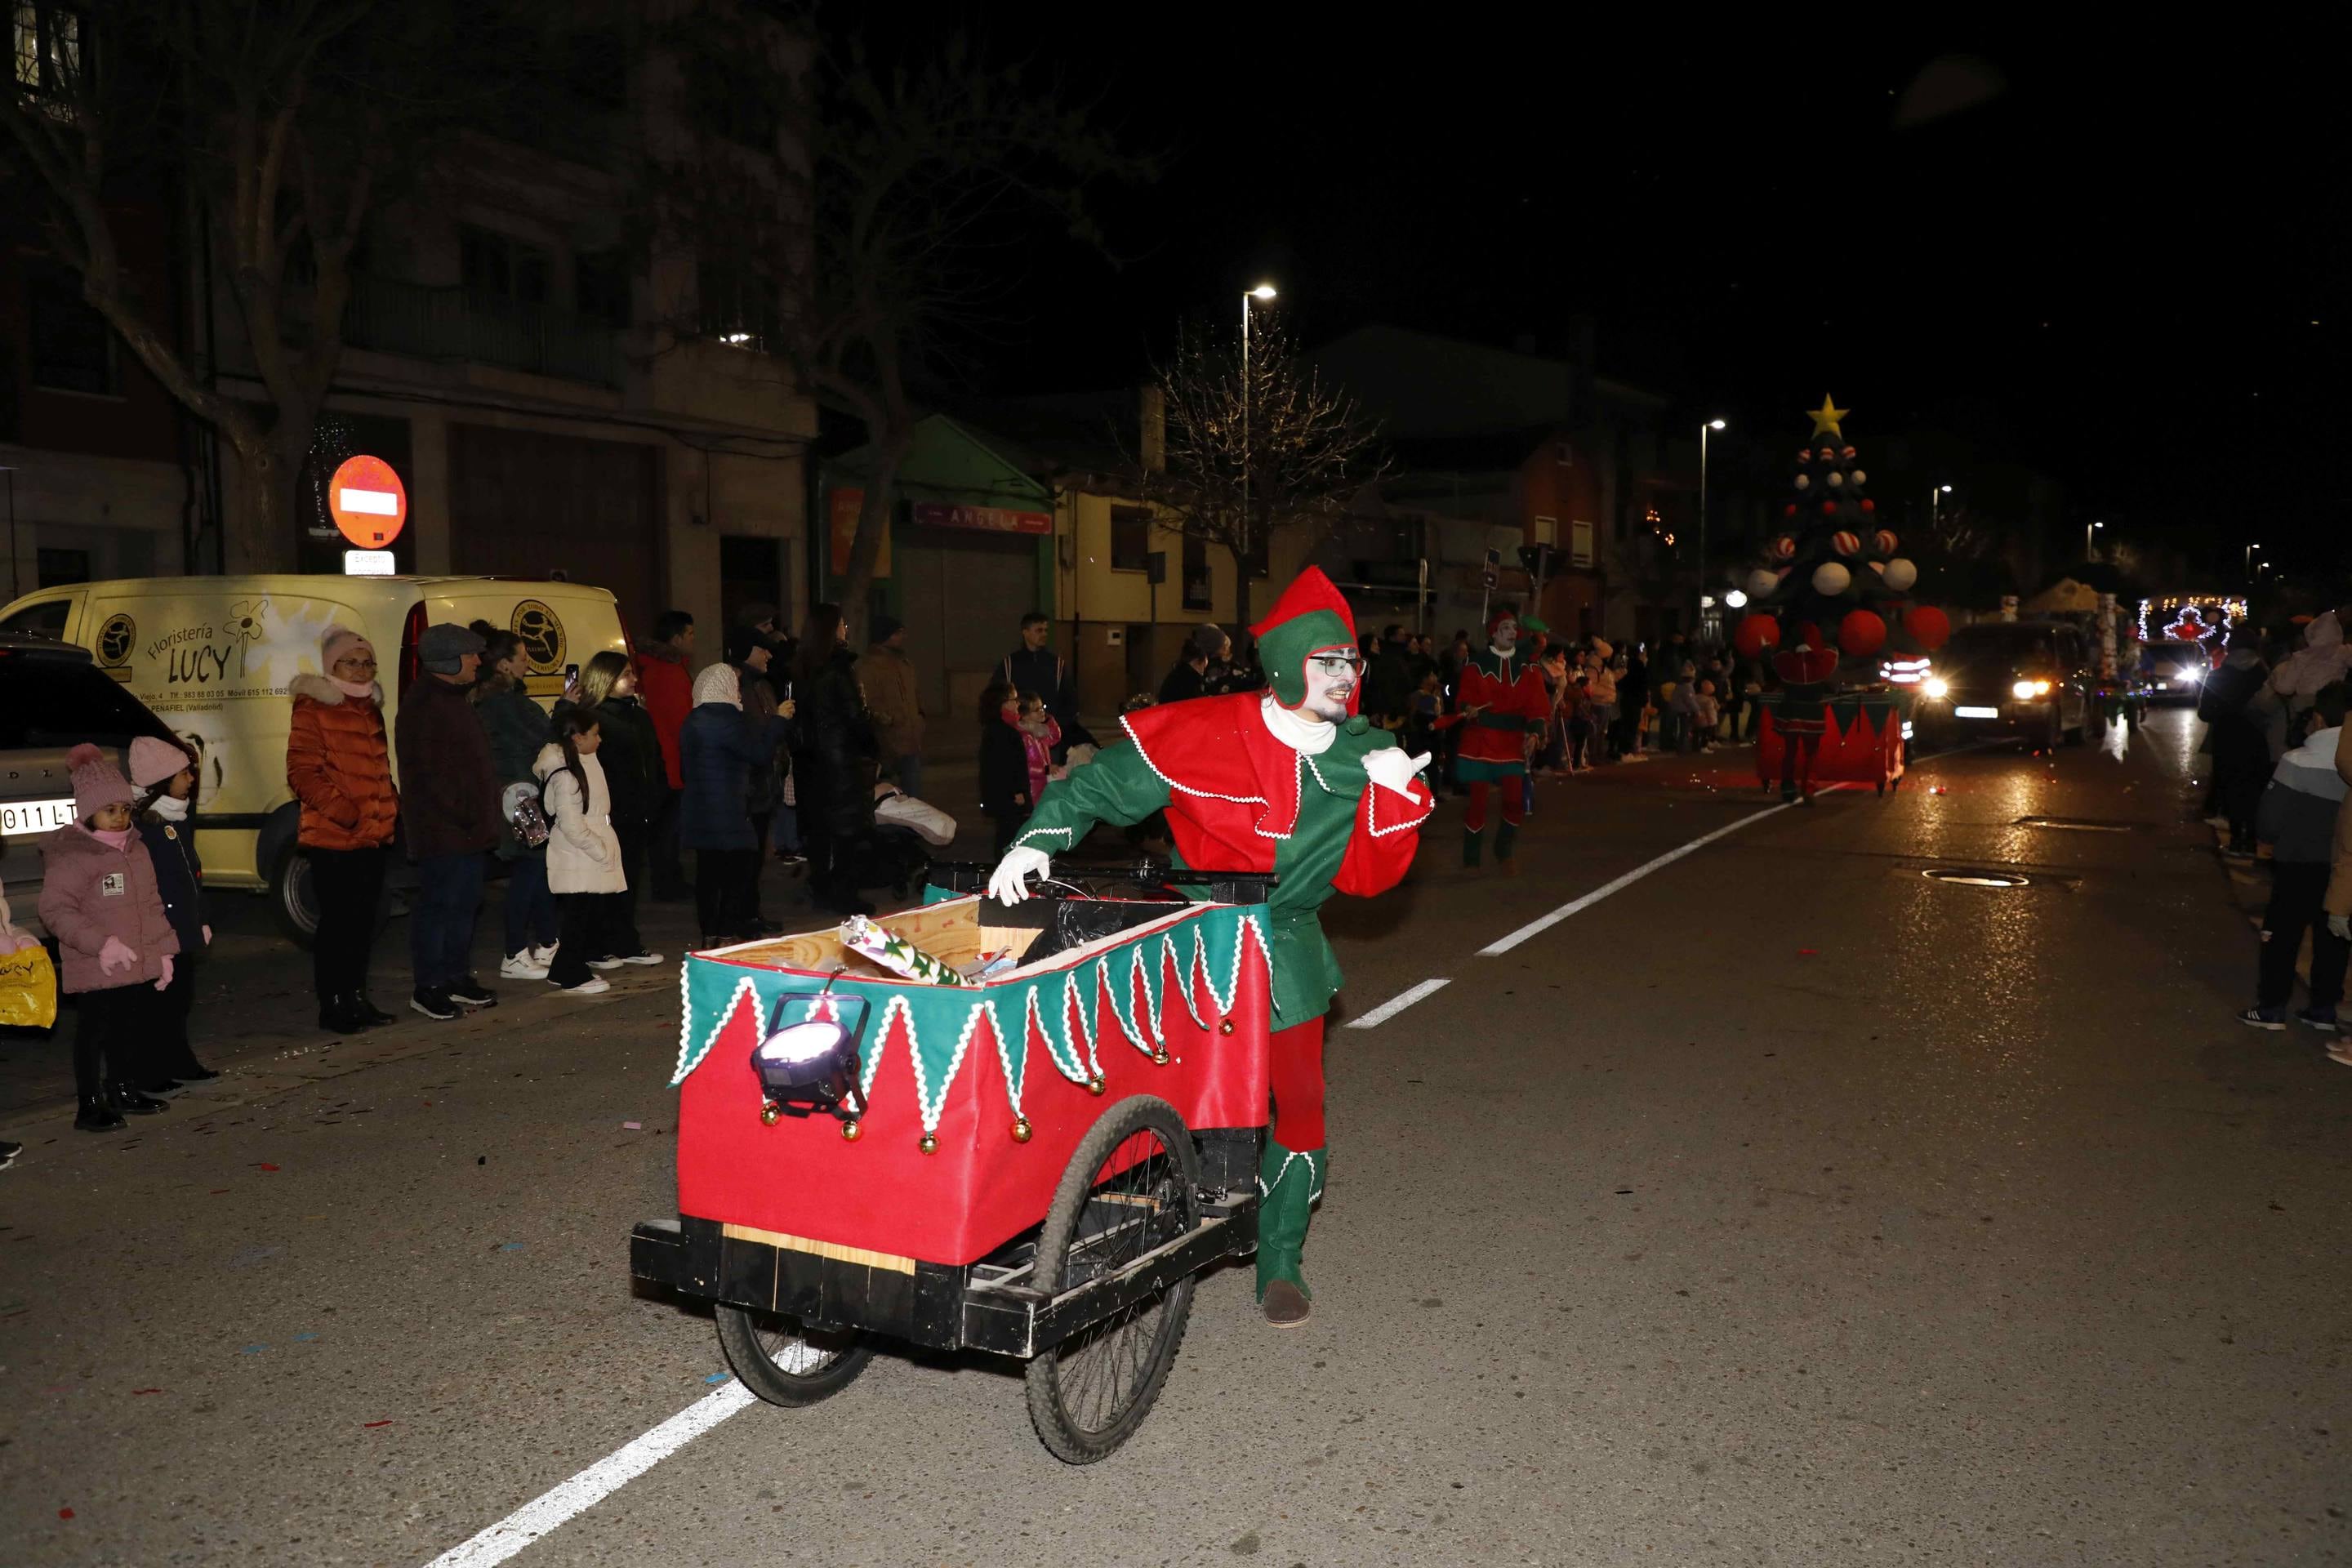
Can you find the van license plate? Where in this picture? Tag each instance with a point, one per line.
(20, 817)
(1976, 712)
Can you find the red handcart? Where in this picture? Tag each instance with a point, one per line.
(1035, 1163)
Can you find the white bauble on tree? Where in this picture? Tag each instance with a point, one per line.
(1761, 581)
(1830, 579)
(1834, 480)
(1804, 481)
(1858, 476)
(1901, 574)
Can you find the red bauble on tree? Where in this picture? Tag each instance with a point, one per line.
(1868, 504)
(1756, 634)
(1862, 634)
(1829, 509)
(1928, 627)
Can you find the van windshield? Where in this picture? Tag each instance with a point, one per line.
(48, 701)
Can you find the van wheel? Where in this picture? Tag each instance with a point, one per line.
(293, 896)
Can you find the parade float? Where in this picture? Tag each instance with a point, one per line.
(1830, 609)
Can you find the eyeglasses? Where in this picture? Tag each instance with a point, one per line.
(1336, 665)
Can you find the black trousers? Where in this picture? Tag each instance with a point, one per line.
(723, 882)
(587, 924)
(635, 839)
(349, 884)
(111, 1036)
(759, 824)
(668, 874)
(169, 1054)
(2298, 888)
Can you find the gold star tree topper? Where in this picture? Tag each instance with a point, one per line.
(1826, 417)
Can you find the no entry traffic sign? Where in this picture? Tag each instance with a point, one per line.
(368, 501)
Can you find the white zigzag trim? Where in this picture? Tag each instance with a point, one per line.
(1205, 794)
(1319, 775)
(932, 1100)
(1069, 832)
(1372, 812)
(688, 1056)
(1190, 972)
(1265, 1191)
(1086, 1059)
(1225, 1001)
(1035, 1015)
(898, 1004)
(1297, 789)
(1124, 1009)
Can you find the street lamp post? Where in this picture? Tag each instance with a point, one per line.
(1703, 429)
(1935, 495)
(2250, 561)
(2089, 552)
(1263, 291)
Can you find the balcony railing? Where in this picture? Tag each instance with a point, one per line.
(456, 324)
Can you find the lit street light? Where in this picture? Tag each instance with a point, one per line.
(1935, 494)
(2089, 554)
(2250, 561)
(1263, 291)
(1703, 429)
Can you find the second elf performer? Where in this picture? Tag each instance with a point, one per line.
(1503, 702)
(1291, 781)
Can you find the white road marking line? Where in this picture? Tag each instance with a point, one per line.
(583, 1491)
(1577, 906)
(1395, 1005)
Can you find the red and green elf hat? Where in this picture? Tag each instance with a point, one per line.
(1310, 617)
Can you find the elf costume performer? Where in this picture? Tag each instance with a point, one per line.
(1807, 673)
(1503, 704)
(1292, 782)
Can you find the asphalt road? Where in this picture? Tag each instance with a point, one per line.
(1784, 1205)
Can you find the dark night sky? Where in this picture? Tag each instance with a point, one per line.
(2109, 270)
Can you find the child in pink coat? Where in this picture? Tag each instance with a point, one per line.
(115, 941)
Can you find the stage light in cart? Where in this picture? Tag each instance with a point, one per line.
(808, 1061)
(1903, 671)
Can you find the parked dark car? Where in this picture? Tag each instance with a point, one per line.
(52, 698)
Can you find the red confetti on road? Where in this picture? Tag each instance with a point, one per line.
(375, 1422)
(138, 1391)
(264, 1165)
(65, 1513)
(1808, 953)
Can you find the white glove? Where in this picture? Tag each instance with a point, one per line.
(1005, 885)
(1391, 769)
(2342, 926)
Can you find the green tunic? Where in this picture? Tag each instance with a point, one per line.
(1122, 786)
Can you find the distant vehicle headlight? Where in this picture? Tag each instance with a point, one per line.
(2023, 688)
(1936, 687)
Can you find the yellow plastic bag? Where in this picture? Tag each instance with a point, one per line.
(29, 989)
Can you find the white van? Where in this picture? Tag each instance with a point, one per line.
(212, 656)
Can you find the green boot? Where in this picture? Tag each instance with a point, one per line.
(1472, 842)
(1505, 835)
(1288, 1185)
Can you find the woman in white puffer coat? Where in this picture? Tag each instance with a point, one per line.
(584, 854)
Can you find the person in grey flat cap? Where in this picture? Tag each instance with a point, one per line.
(1191, 676)
(450, 814)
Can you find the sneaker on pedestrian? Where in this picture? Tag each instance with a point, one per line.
(594, 986)
(469, 992)
(607, 961)
(2320, 1019)
(641, 957)
(8, 1152)
(524, 965)
(545, 956)
(2339, 1052)
(2272, 1019)
(433, 1004)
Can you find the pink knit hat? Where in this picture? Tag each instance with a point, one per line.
(339, 642)
(152, 761)
(97, 782)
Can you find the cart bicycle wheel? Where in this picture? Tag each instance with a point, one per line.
(1132, 1186)
(787, 1363)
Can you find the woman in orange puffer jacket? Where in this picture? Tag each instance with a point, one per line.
(339, 768)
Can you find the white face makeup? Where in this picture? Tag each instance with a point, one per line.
(1506, 633)
(1331, 678)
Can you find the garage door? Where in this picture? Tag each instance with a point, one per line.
(524, 503)
(963, 595)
